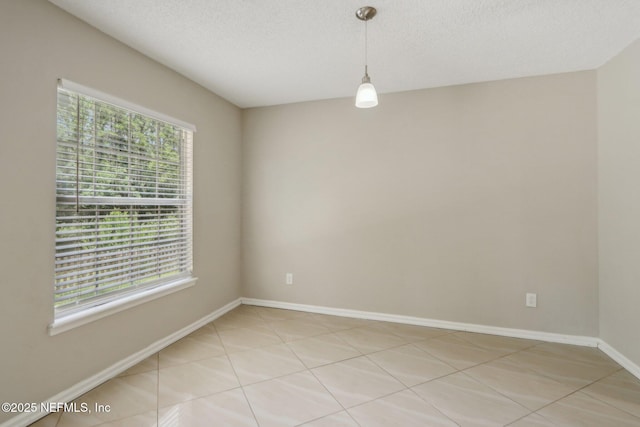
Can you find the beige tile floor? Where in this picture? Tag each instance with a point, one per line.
(259, 366)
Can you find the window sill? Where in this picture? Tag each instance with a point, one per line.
(89, 315)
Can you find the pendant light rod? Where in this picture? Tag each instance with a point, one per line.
(366, 78)
(365, 14)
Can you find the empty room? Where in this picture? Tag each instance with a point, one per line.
(332, 213)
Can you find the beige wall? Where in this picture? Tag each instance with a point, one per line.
(619, 201)
(448, 203)
(38, 44)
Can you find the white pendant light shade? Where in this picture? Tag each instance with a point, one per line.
(366, 96)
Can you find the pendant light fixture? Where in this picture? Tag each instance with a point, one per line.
(366, 96)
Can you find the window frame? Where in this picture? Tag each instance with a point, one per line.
(132, 295)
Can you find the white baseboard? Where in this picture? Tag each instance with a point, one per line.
(117, 368)
(434, 323)
(621, 359)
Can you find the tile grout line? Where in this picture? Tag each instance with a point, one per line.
(466, 342)
(571, 394)
(233, 368)
(604, 402)
(325, 416)
(310, 370)
(323, 386)
(434, 406)
(211, 394)
(528, 415)
(306, 369)
(334, 398)
(547, 376)
(525, 368)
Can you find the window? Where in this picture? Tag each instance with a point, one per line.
(123, 200)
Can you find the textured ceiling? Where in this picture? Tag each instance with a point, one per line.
(268, 52)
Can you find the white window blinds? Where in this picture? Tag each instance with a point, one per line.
(123, 202)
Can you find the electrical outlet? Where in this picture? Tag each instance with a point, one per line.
(289, 279)
(532, 300)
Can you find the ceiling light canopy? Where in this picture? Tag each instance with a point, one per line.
(366, 97)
